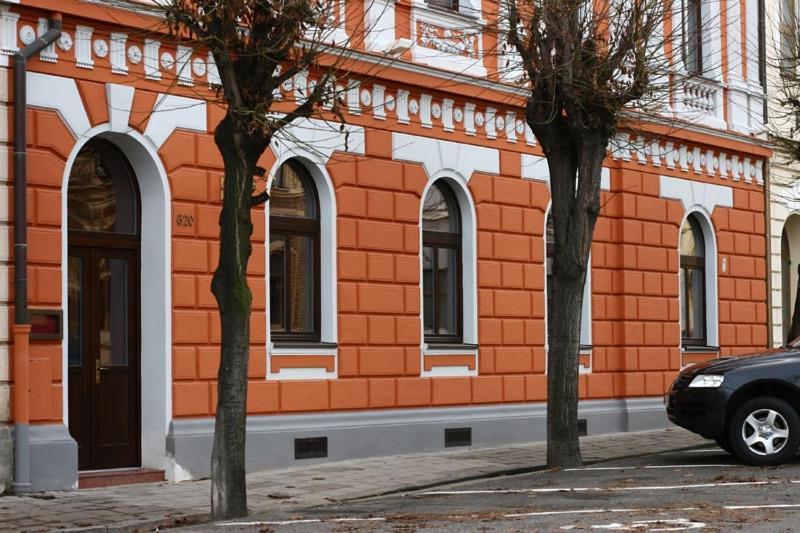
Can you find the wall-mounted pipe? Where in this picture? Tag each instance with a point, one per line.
(22, 481)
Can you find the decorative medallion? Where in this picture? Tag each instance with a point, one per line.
(500, 123)
(288, 83)
(413, 106)
(740, 168)
(339, 92)
(479, 119)
(134, 54)
(436, 110)
(100, 48)
(690, 158)
(27, 34)
(729, 167)
(388, 102)
(167, 61)
(458, 115)
(366, 97)
(198, 67)
(716, 163)
(702, 159)
(65, 42)
(520, 127)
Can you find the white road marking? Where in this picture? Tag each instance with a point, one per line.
(674, 524)
(647, 467)
(769, 506)
(596, 511)
(601, 489)
(301, 521)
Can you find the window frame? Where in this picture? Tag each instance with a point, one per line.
(697, 7)
(439, 4)
(448, 241)
(304, 227)
(687, 265)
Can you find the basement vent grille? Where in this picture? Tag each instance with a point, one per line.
(582, 429)
(457, 437)
(311, 448)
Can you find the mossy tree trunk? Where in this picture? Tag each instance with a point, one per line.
(240, 152)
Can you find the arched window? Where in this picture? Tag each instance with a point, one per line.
(586, 309)
(294, 266)
(693, 283)
(102, 195)
(441, 265)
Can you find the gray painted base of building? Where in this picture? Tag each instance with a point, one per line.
(351, 435)
(53, 458)
(6, 458)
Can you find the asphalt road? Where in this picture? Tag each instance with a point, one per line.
(703, 489)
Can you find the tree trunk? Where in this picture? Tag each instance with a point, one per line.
(564, 329)
(794, 330)
(229, 285)
(575, 166)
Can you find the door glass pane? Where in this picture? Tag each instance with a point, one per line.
(447, 279)
(277, 282)
(75, 312)
(301, 283)
(101, 194)
(112, 299)
(427, 289)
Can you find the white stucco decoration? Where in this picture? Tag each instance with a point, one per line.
(120, 100)
(171, 112)
(317, 139)
(60, 94)
(692, 193)
(436, 155)
(535, 168)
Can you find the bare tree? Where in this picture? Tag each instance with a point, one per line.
(257, 45)
(584, 63)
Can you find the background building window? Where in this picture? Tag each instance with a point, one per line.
(693, 283)
(441, 265)
(294, 255)
(444, 4)
(693, 37)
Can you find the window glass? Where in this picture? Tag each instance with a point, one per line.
(441, 265)
(692, 283)
(101, 194)
(438, 212)
(289, 195)
(446, 4)
(693, 36)
(294, 256)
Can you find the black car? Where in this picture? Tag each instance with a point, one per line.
(749, 404)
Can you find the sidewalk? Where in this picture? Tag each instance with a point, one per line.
(148, 506)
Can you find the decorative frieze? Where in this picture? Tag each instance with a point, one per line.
(447, 40)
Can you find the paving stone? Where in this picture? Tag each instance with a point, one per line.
(164, 502)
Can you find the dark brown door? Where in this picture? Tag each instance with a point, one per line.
(103, 351)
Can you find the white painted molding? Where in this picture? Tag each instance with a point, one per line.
(693, 193)
(535, 168)
(61, 94)
(317, 139)
(120, 101)
(437, 155)
(171, 112)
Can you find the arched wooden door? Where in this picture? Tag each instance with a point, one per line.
(103, 308)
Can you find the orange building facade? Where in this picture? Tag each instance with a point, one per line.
(399, 274)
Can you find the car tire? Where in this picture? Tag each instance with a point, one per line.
(764, 431)
(724, 442)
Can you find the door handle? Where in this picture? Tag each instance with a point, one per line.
(97, 371)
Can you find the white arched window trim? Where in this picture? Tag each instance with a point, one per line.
(469, 279)
(703, 218)
(312, 162)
